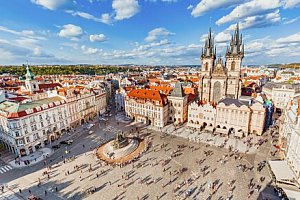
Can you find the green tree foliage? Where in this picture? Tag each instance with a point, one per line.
(66, 70)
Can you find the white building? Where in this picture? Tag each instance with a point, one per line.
(202, 116)
(147, 106)
(26, 127)
(230, 116)
(83, 104)
(290, 137)
(178, 105)
(281, 93)
(120, 99)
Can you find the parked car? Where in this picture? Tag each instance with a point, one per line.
(91, 132)
(68, 142)
(103, 119)
(57, 146)
(90, 126)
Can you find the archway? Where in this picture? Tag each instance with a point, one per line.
(216, 92)
(231, 131)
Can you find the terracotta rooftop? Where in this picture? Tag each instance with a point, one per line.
(45, 86)
(148, 95)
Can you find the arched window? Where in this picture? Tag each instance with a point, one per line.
(232, 66)
(206, 66)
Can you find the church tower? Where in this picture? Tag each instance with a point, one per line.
(30, 84)
(234, 57)
(208, 57)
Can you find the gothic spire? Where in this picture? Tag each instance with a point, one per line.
(236, 44)
(209, 50)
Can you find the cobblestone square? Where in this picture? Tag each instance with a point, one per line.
(173, 168)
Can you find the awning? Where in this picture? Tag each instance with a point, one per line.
(239, 134)
(222, 131)
(292, 194)
(209, 128)
(281, 170)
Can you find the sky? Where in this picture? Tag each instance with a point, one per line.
(150, 32)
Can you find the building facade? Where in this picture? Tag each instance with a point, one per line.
(178, 105)
(218, 80)
(26, 127)
(281, 93)
(290, 137)
(147, 106)
(202, 116)
(229, 117)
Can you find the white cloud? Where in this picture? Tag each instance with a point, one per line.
(295, 38)
(72, 45)
(158, 33)
(89, 50)
(290, 21)
(190, 7)
(105, 18)
(23, 33)
(125, 9)
(222, 37)
(71, 31)
(291, 3)
(27, 42)
(169, 1)
(251, 8)
(98, 38)
(206, 5)
(259, 21)
(50, 4)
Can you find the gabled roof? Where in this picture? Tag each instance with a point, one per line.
(148, 95)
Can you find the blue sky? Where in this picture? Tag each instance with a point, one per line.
(145, 31)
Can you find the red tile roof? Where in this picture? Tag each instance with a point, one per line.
(163, 89)
(45, 86)
(148, 95)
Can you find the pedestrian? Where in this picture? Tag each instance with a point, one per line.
(45, 192)
(56, 189)
(20, 191)
(29, 191)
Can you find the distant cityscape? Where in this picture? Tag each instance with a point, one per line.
(149, 100)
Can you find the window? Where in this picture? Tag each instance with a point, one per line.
(27, 139)
(206, 66)
(17, 134)
(232, 66)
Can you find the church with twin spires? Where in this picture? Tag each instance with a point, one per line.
(218, 79)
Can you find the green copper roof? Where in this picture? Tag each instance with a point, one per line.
(29, 75)
(13, 107)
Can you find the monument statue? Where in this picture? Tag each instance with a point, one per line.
(120, 141)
